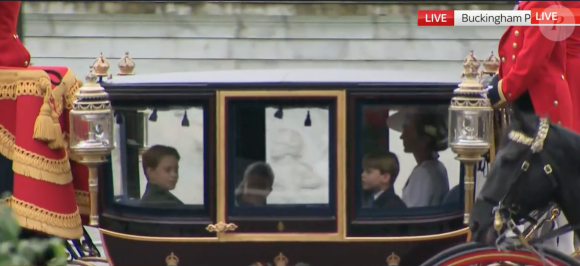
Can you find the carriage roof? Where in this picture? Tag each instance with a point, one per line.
(297, 77)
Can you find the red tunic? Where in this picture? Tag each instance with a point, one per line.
(9, 41)
(536, 65)
(573, 67)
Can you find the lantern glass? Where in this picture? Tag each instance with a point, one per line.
(91, 130)
(470, 128)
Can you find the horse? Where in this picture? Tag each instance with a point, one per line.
(535, 166)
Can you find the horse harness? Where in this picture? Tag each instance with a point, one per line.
(502, 213)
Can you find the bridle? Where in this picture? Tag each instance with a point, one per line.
(503, 213)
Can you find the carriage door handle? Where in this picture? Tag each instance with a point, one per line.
(221, 227)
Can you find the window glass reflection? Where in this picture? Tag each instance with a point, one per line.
(179, 136)
(281, 155)
(406, 162)
(118, 185)
(160, 157)
(297, 150)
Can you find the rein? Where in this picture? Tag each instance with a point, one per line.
(503, 214)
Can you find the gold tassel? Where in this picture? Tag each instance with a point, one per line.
(43, 126)
(58, 142)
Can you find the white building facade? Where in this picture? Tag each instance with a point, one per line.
(168, 37)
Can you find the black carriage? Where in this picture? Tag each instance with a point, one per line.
(305, 124)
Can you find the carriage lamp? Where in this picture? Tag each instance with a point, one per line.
(91, 134)
(470, 125)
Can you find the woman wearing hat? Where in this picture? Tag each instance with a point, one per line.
(424, 134)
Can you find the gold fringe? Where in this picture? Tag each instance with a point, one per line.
(6, 143)
(60, 93)
(64, 96)
(83, 201)
(30, 216)
(16, 84)
(58, 142)
(71, 95)
(33, 165)
(43, 126)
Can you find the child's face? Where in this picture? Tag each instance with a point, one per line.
(166, 174)
(373, 180)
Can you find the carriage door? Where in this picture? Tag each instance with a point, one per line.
(278, 165)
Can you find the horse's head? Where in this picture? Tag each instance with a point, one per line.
(524, 176)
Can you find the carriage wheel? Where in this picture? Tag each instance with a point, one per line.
(469, 254)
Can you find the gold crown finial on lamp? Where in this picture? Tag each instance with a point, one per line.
(490, 64)
(101, 66)
(171, 260)
(393, 260)
(281, 260)
(470, 65)
(470, 75)
(126, 66)
(91, 77)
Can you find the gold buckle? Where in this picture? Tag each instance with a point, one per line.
(548, 169)
(525, 166)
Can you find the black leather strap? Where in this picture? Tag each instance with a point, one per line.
(555, 233)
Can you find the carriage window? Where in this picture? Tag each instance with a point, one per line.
(279, 155)
(404, 160)
(159, 157)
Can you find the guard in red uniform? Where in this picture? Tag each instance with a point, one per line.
(532, 73)
(34, 106)
(573, 67)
